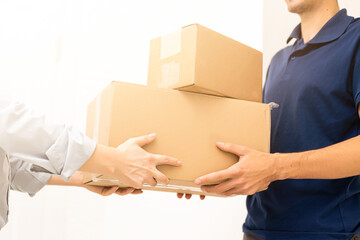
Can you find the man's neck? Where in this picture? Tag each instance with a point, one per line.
(313, 20)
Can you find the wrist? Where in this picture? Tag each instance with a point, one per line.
(76, 179)
(287, 165)
(98, 162)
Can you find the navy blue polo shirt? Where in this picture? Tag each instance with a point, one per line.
(317, 87)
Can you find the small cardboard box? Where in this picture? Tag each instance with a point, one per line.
(197, 59)
(188, 125)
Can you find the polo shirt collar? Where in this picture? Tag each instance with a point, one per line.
(332, 30)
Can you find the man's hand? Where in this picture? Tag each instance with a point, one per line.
(76, 180)
(253, 173)
(129, 163)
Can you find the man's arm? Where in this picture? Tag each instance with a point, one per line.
(256, 170)
(337, 161)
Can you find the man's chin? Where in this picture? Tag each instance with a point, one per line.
(299, 6)
(295, 10)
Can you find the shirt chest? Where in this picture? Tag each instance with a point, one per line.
(302, 72)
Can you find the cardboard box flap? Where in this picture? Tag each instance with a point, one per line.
(198, 89)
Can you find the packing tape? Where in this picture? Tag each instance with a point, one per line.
(170, 75)
(170, 44)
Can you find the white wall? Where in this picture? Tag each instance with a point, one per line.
(278, 23)
(56, 56)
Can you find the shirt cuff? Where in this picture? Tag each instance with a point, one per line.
(30, 182)
(357, 100)
(70, 151)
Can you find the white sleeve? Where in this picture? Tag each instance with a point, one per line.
(25, 180)
(54, 148)
(4, 188)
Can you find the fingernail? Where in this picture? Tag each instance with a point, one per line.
(179, 162)
(197, 181)
(152, 135)
(221, 144)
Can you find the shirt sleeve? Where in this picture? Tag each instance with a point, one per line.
(46, 147)
(356, 78)
(4, 188)
(25, 180)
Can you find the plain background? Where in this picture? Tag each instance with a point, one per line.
(57, 55)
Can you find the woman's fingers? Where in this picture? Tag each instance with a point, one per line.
(124, 191)
(107, 191)
(137, 191)
(160, 178)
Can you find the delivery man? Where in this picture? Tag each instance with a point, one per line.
(309, 186)
(31, 150)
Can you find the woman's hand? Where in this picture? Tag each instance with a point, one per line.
(76, 180)
(107, 191)
(130, 163)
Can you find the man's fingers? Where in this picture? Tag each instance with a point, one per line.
(238, 190)
(144, 140)
(232, 148)
(214, 177)
(162, 159)
(160, 178)
(220, 188)
(233, 191)
(188, 196)
(180, 195)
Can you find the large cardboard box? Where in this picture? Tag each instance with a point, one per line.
(197, 59)
(188, 125)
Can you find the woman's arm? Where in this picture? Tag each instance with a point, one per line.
(76, 180)
(61, 150)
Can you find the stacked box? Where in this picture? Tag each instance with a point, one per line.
(188, 123)
(197, 59)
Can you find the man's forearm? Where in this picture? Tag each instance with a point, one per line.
(337, 161)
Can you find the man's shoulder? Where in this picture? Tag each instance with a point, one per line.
(355, 26)
(356, 21)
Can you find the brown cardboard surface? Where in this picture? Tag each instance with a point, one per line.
(215, 64)
(188, 125)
